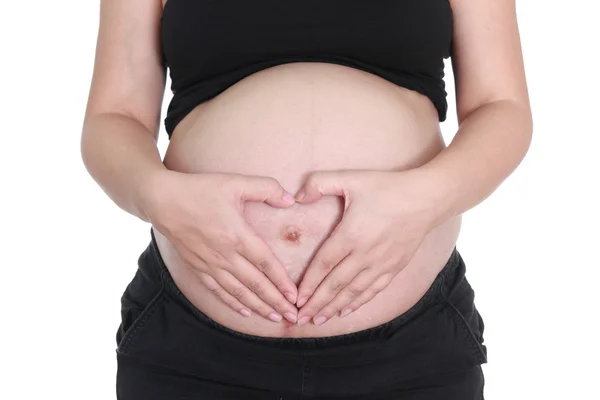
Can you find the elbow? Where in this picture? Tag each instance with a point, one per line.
(90, 147)
(525, 116)
(85, 143)
(519, 122)
(514, 115)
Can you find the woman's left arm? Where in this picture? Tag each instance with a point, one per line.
(384, 211)
(492, 101)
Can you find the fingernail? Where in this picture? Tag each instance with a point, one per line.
(320, 320)
(245, 312)
(291, 298)
(346, 312)
(304, 320)
(301, 301)
(275, 317)
(290, 317)
(300, 195)
(288, 198)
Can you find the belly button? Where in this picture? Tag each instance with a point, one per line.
(291, 234)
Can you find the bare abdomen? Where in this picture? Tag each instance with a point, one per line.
(286, 122)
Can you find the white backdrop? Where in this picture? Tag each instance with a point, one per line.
(67, 251)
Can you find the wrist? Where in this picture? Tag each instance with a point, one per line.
(436, 191)
(149, 192)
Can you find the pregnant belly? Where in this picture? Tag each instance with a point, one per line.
(286, 122)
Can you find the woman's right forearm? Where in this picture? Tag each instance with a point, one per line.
(122, 157)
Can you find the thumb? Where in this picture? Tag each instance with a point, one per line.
(264, 189)
(321, 184)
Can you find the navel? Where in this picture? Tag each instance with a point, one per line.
(291, 234)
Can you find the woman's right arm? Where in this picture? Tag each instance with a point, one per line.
(200, 214)
(122, 119)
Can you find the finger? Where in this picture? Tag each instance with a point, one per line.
(265, 189)
(262, 287)
(335, 248)
(319, 184)
(238, 290)
(244, 290)
(334, 283)
(216, 289)
(197, 266)
(360, 284)
(380, 283)
(257, 252)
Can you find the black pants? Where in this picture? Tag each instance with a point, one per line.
(168, 349)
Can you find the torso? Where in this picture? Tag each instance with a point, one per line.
(285, 122)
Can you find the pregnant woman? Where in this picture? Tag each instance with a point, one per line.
(305, 216)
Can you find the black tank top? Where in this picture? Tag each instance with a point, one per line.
(208, 45)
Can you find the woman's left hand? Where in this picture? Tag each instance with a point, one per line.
(387, 215)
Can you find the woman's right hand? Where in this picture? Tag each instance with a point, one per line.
(202, 217)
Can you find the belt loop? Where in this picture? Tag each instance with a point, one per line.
(452, 278)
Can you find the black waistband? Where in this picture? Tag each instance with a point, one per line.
(447, 277)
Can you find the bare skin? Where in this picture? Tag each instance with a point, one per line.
(217, 202)
(326, 117)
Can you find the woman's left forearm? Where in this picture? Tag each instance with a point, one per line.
(490, 143)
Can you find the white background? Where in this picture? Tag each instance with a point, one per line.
(67, 251)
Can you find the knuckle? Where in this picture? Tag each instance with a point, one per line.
(207, 280)
(272, 181)
(238, 292)
(228, 238)
(382, 282)
(255, 286)
(231, 182)
(217, 291)
(216, 256)
(351, 235)
(336, 286)
(211, 284)
(237, 245)
(263, 265)
(356, 290)
(325, 264)
(314, 178)
(370, 294)
(360, 301)
(353, 305)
